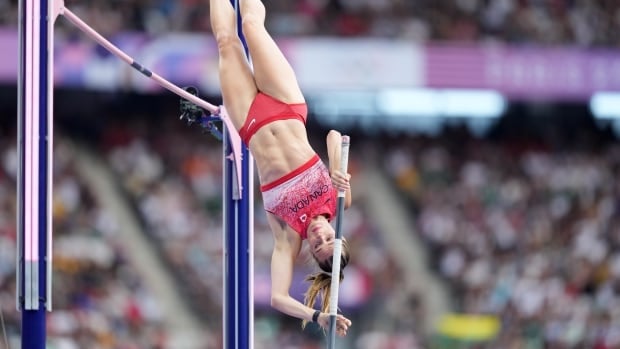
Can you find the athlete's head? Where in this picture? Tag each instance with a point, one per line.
(320, 237)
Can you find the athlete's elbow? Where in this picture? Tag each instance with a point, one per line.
(347, 204)
(348, 199)
(334, 133)
(276, 301)
(333, 136)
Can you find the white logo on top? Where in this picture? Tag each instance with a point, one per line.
(251, 123)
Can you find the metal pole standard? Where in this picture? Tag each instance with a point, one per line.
(335, 283)
(35, 144)
(238, 310)
(34, 180)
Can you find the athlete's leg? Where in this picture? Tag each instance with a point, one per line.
(236, 80)
(272, 71)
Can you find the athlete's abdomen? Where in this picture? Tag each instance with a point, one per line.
(279, 148)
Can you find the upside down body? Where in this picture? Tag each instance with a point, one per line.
(268, 109)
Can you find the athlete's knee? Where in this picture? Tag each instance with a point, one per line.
(252, 7)
(252, 22)
(252, 14)
(227, 40)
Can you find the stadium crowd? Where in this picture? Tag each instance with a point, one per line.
(528, 234)
(99, 298)
(573, 22)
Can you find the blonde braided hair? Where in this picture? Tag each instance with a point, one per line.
(320, 282)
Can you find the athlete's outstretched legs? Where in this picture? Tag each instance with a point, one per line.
(272, 72)
(236, 80)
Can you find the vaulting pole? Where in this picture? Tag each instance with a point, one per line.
(335, 284)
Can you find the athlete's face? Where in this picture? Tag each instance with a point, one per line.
(320, 237)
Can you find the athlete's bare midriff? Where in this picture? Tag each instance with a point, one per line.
(279, 148)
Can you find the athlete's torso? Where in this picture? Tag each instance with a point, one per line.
(276, 135)
(279, 148)
(301, 195)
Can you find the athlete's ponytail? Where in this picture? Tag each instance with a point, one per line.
(320, 282)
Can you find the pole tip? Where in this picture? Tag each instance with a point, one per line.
(346, 139)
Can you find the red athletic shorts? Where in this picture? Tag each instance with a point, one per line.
(301, 195)
(266, 109)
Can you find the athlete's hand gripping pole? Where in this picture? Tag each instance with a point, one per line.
(335, 283)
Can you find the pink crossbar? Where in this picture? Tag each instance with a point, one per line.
(235, 139)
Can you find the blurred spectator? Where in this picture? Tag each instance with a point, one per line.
(529, 235)
(99, 299)
(568, 22)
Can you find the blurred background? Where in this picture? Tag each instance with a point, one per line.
(485, 163)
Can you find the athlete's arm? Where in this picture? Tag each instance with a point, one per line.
(287, 245)
(340, 180)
